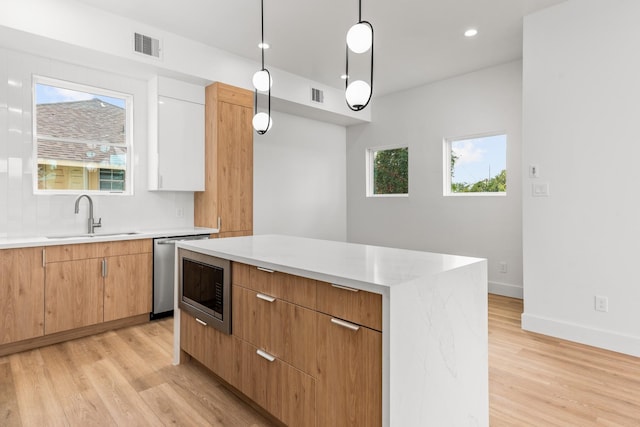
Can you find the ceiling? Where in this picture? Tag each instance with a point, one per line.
(416, 41)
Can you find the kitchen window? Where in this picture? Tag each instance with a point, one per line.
(83, 138)
(475, 165)
(388, 171)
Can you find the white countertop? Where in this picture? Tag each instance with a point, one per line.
(58, 239)
(365, 267)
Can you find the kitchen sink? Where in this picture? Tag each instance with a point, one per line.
(82, 235)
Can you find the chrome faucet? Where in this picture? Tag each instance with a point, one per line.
(90, 224)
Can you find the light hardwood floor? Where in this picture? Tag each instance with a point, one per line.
(126, 378)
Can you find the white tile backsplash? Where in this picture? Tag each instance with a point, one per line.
(24, 214)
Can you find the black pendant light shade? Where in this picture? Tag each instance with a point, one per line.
(262, 82)
(359, 40)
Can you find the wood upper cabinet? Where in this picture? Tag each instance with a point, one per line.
(349, 377)
(21, 294)
(96, 282)
(228, 197)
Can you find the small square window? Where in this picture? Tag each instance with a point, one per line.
(388, 171)
(476, 165)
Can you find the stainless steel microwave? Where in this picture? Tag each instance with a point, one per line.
(205, 288)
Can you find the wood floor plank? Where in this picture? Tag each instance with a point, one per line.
(37, 401)
(124, 404)
(79, 401)
(171, 408)
(9, 411)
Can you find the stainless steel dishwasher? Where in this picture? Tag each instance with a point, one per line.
(164, 250)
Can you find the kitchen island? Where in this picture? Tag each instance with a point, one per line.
(434, 355)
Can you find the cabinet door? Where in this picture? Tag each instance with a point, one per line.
(73, 294)
(349, 377)
(127, 286)
(21, 294)
(235, 167)
(180, 145)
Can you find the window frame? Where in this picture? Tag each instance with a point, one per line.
(446, 144)
(129, 132)
(370, 159)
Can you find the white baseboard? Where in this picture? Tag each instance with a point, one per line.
(506, 290)
(608, 340)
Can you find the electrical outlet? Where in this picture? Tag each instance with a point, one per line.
(179, 212)
(502, 266)
(601, 303)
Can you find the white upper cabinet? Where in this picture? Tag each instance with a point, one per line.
(176, 135)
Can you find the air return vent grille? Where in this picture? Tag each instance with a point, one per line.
(317, 95)
(147, 45)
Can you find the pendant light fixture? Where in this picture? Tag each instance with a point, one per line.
(262, 82)
(359, 40)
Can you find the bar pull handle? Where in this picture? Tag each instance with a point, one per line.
(44, 257)
(345, 324)
(219, 224)
(201, 322)
(265, 355)
(346, 288)
(104, 267)
(266, 270)
(265, 297)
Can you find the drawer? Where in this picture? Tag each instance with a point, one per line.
(353, 305)
(198, 341)
(97, 250)
(282, 390)
(285, 330)
(294, 289)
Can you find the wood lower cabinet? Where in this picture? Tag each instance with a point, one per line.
(74, 295)
(349, 377)
(214, 349)
(284, 391)
(303, 366)
(282, 329)
(21, 294)
(126, 286)
(93, 283)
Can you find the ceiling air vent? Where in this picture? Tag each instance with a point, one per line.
(317, 95)
(147, 45)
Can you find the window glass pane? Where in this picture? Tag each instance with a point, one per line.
(478, 165)
(390, 171)
(80, 133)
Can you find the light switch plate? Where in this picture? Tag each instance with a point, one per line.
(534, 171)
(540, 190)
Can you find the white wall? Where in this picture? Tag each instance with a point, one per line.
(78, 32)
(490, 227)
(581, 126)
(21, 212)
(300, 179)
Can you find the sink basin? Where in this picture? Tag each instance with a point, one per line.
(83, 235)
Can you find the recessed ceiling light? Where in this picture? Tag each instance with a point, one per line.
(263, 45)
(471, 32)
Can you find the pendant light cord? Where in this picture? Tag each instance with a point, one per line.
(262, 28)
